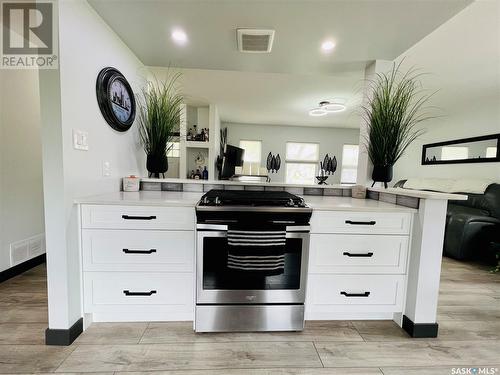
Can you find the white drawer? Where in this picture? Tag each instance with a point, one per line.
(117, 290)
(129, 250)
(138, 217)
(360, 222)
(341, 293)
(359, 254)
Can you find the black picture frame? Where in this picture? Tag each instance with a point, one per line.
(104, 80)
(458, 141)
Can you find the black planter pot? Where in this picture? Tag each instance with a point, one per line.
(156, 165)
(382, 173)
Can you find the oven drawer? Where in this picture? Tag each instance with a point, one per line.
(119, 289)
(338, 293)
(126, 250)
(138, 217)
(358, 254)
(360, 222)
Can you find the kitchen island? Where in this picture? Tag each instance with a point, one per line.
(393, 262)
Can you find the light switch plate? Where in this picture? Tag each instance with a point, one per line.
(106, 168)
(80, 140)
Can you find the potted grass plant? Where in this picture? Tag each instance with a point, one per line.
(159, 114)
(396, 105)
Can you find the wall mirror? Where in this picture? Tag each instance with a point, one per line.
(467, 150)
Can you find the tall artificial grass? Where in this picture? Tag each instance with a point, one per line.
(159, 114)
(396, 105)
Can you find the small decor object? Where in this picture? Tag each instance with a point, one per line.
(273, 164)
(159, 113)
(358, 192)
(131, 183)
(204, 174)
(222, 145)
(326, 168)
(396, 104)
(116, 99)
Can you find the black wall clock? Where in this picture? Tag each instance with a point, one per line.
(116, 99)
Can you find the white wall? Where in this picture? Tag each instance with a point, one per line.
(274, 138)
(463, 59)
(87, 45)
(21, 193)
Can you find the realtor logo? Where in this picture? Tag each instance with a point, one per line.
(28, 36)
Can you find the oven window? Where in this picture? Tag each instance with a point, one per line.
(216, 274)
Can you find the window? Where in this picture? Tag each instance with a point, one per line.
(302, 152)
(491, 152)
(349, 172)
(253, 151)
(173, 150)
(301, 162)
(454, 153)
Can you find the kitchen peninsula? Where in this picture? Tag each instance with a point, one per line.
(385, 251)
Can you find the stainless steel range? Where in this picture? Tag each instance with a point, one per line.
(251, 261)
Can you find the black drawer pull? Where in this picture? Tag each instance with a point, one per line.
(129, 293)
(128, 251)
(371, 222)
(365, 294)
(360, 255)
(128, 217)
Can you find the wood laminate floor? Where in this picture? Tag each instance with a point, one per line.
(469, 337)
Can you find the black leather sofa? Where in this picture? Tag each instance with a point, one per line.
(472, 225)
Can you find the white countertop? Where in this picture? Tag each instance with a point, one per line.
(423, 194)
(188, 199)
(144, 198)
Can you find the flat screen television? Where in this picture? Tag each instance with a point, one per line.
(233, 157)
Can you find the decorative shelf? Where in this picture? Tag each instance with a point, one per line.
(196, 144)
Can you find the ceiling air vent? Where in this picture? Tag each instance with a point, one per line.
(255, 40)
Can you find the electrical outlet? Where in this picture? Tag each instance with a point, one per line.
(80, 140)
(106, 168)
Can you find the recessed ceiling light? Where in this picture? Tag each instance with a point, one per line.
(179, 36)
(327, 46)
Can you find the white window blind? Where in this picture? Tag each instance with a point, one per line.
(253, 151)
(349, 171)
(301, 162)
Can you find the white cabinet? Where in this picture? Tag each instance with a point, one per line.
(360, 222)
(357, 264)
(138, 217)
(145, 250)
(371, 293)
(354, 253)
(138, 262)
(122, 288)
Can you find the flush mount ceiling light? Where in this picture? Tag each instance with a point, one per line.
(327, 46)
(316, 112)
(179, 36)
(326, 107)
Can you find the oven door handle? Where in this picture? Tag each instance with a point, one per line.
(218, 227)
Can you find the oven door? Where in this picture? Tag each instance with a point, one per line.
(217, 284)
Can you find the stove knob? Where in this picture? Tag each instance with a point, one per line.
(205, 201)
(290, 203)
(217, 201)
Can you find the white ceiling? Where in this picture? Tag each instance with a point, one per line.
(275, 88)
